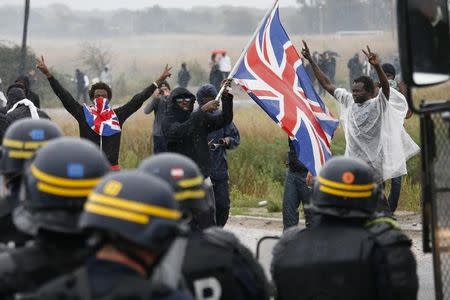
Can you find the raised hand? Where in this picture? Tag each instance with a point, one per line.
(165, 74)
(210, 106)
(227, 86)
(373, 58)
(41, 66)
(305, 51)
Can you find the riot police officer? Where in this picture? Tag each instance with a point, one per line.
(54, 189)
(349, 254)
(216, 265)
(20, 142)
(136, 217)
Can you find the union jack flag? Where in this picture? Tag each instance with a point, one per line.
(273, 75)
(101, 118)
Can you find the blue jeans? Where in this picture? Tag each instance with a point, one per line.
(222, 197)
(296, 192)
(394, 195)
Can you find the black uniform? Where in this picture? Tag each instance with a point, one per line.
(345, 255)
(25, 269)
(216, 262)
(110, 144)
(358, 262)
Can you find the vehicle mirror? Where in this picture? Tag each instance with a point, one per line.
(424, 41)
(264, 252)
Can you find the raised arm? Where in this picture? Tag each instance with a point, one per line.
(69, 103)
(374, 60)
(215, 122)
(324, 81)
(136, 102)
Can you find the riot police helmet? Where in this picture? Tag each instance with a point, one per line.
(183, 175)
(345, 188)
(133, 208)
(56, 185)
(22, 139)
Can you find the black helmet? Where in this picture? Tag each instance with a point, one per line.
(135, 208)
(57, 184)
(345, 188)
(22, 139)
(183, 175)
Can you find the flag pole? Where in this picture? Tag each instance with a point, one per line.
(241, 57)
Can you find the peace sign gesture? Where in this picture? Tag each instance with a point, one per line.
(373, 58)
(41, 66)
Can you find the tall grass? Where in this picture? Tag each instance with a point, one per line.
(257, 166)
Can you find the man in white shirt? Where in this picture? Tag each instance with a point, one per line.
(362, 113)
(225, 65)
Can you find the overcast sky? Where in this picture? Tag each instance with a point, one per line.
(137, 4)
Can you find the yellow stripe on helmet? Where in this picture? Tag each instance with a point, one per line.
(58, 191)
(152, 210)
(344, 186)
(183, 195)
(348, 194)
(116, 213)
(13, 143)
(186, 183)
(34, 145)
(20, 154)
(63, 182)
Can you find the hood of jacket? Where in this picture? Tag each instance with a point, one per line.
(205, 91)
(177, 93)
(14, 95)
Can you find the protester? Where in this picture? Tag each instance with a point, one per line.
(29, 94)
(296, 191)
(184, 76)
(225, 65)
(106, 76)
(233, 273)
(370, 124)
(98, 122)
(19, 107)
(82, 87)
(55, 187)
(348, 254)
(215, 75)
(219, 141)
(354, 68)
(19, 144)
(187, 131)
(135, 216)
(159, 106)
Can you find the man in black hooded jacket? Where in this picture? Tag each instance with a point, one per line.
(19, 107)
(187, 132)
(30, 95)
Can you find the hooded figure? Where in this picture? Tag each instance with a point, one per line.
(187, 133)
(19, 107)
(219, 142)
(30, 95)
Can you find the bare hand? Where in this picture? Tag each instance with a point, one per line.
(309, 179)
(166, 74)
(373, 58)
(211, 106)
(227, 84)
(41, 66)
(305, 52)
(225, 141)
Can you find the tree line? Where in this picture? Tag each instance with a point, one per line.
(309, 17)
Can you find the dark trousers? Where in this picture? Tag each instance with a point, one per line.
(159, 144)
(222, 197)
(206, 218)
(296, 192)
(394, 195)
